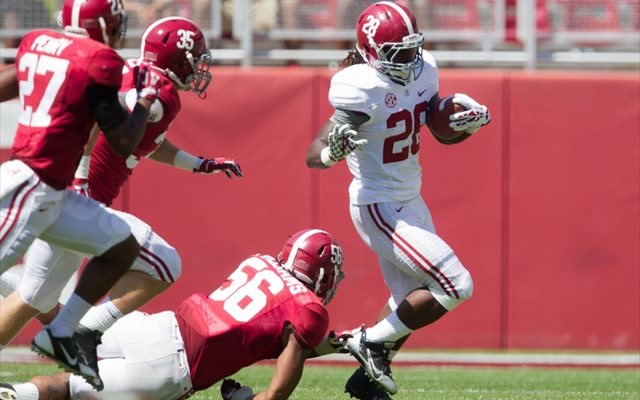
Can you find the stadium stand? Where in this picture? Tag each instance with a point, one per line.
(461, 33)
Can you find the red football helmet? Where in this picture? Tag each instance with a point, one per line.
(178, 47)
(102, 20)
(389, 40)
(314, 257)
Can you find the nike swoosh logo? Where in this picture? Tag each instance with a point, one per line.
(421, 92)
(70, 361)
(399, 209)
(375, 371)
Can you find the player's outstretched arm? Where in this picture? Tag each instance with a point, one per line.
(170, 154)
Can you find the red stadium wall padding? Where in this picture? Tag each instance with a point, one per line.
(543, 206)
(574, 214)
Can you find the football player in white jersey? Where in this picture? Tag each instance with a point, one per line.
(380, 101)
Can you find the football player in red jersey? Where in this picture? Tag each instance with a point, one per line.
(175, 52)
(268, 308)
(67, 81)
(381, 100)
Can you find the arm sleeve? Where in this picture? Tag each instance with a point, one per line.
(353, 118)
(105, 107)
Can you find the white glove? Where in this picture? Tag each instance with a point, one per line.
(473, 118)
(333, 343)
(232, 390)
(342, 143)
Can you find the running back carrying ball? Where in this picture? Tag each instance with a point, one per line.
(439, 118)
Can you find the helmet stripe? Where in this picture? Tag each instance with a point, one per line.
(403, 14)
(297, 244)
(75, 13)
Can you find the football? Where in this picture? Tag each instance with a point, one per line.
(439, 118)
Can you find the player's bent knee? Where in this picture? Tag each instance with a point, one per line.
(453, 298)
(162, 263)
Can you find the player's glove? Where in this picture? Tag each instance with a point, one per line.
(473, 118)
(215, 165)
(333, 343)
(232, 390)
(342, 142)
(145, 83)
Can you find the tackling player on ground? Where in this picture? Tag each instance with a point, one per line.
(381, 100)
(268, 308)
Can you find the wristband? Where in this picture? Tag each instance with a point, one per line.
(82, 172)
(186, 161)
(325, 157)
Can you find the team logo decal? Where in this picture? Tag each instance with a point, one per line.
(390, 100)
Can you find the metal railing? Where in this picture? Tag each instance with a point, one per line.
(480, 33)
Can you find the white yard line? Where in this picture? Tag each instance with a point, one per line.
(632, 360)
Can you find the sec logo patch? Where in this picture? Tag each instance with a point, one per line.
(390, 100)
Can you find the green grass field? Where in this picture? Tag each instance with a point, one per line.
(430, 383)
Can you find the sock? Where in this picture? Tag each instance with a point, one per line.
(67, 319)
(26, 391)
(389, 329)
(102, 316)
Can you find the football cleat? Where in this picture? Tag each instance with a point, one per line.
(7, 392)
(87, 340)
(374, 358)
(64, 352)
(362, 388)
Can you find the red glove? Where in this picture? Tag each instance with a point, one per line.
(145, 83)
(81, 186)
(213, 166)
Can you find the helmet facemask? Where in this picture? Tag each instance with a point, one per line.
(401, 61)
(201, 77)
(199, 80)
(329, 293)
(114, 35)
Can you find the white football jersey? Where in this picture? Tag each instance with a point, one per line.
(387, 168)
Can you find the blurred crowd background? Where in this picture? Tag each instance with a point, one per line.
(479, 33)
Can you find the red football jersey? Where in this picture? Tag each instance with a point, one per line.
(109, 171)
(242, 321)
(54, 72)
